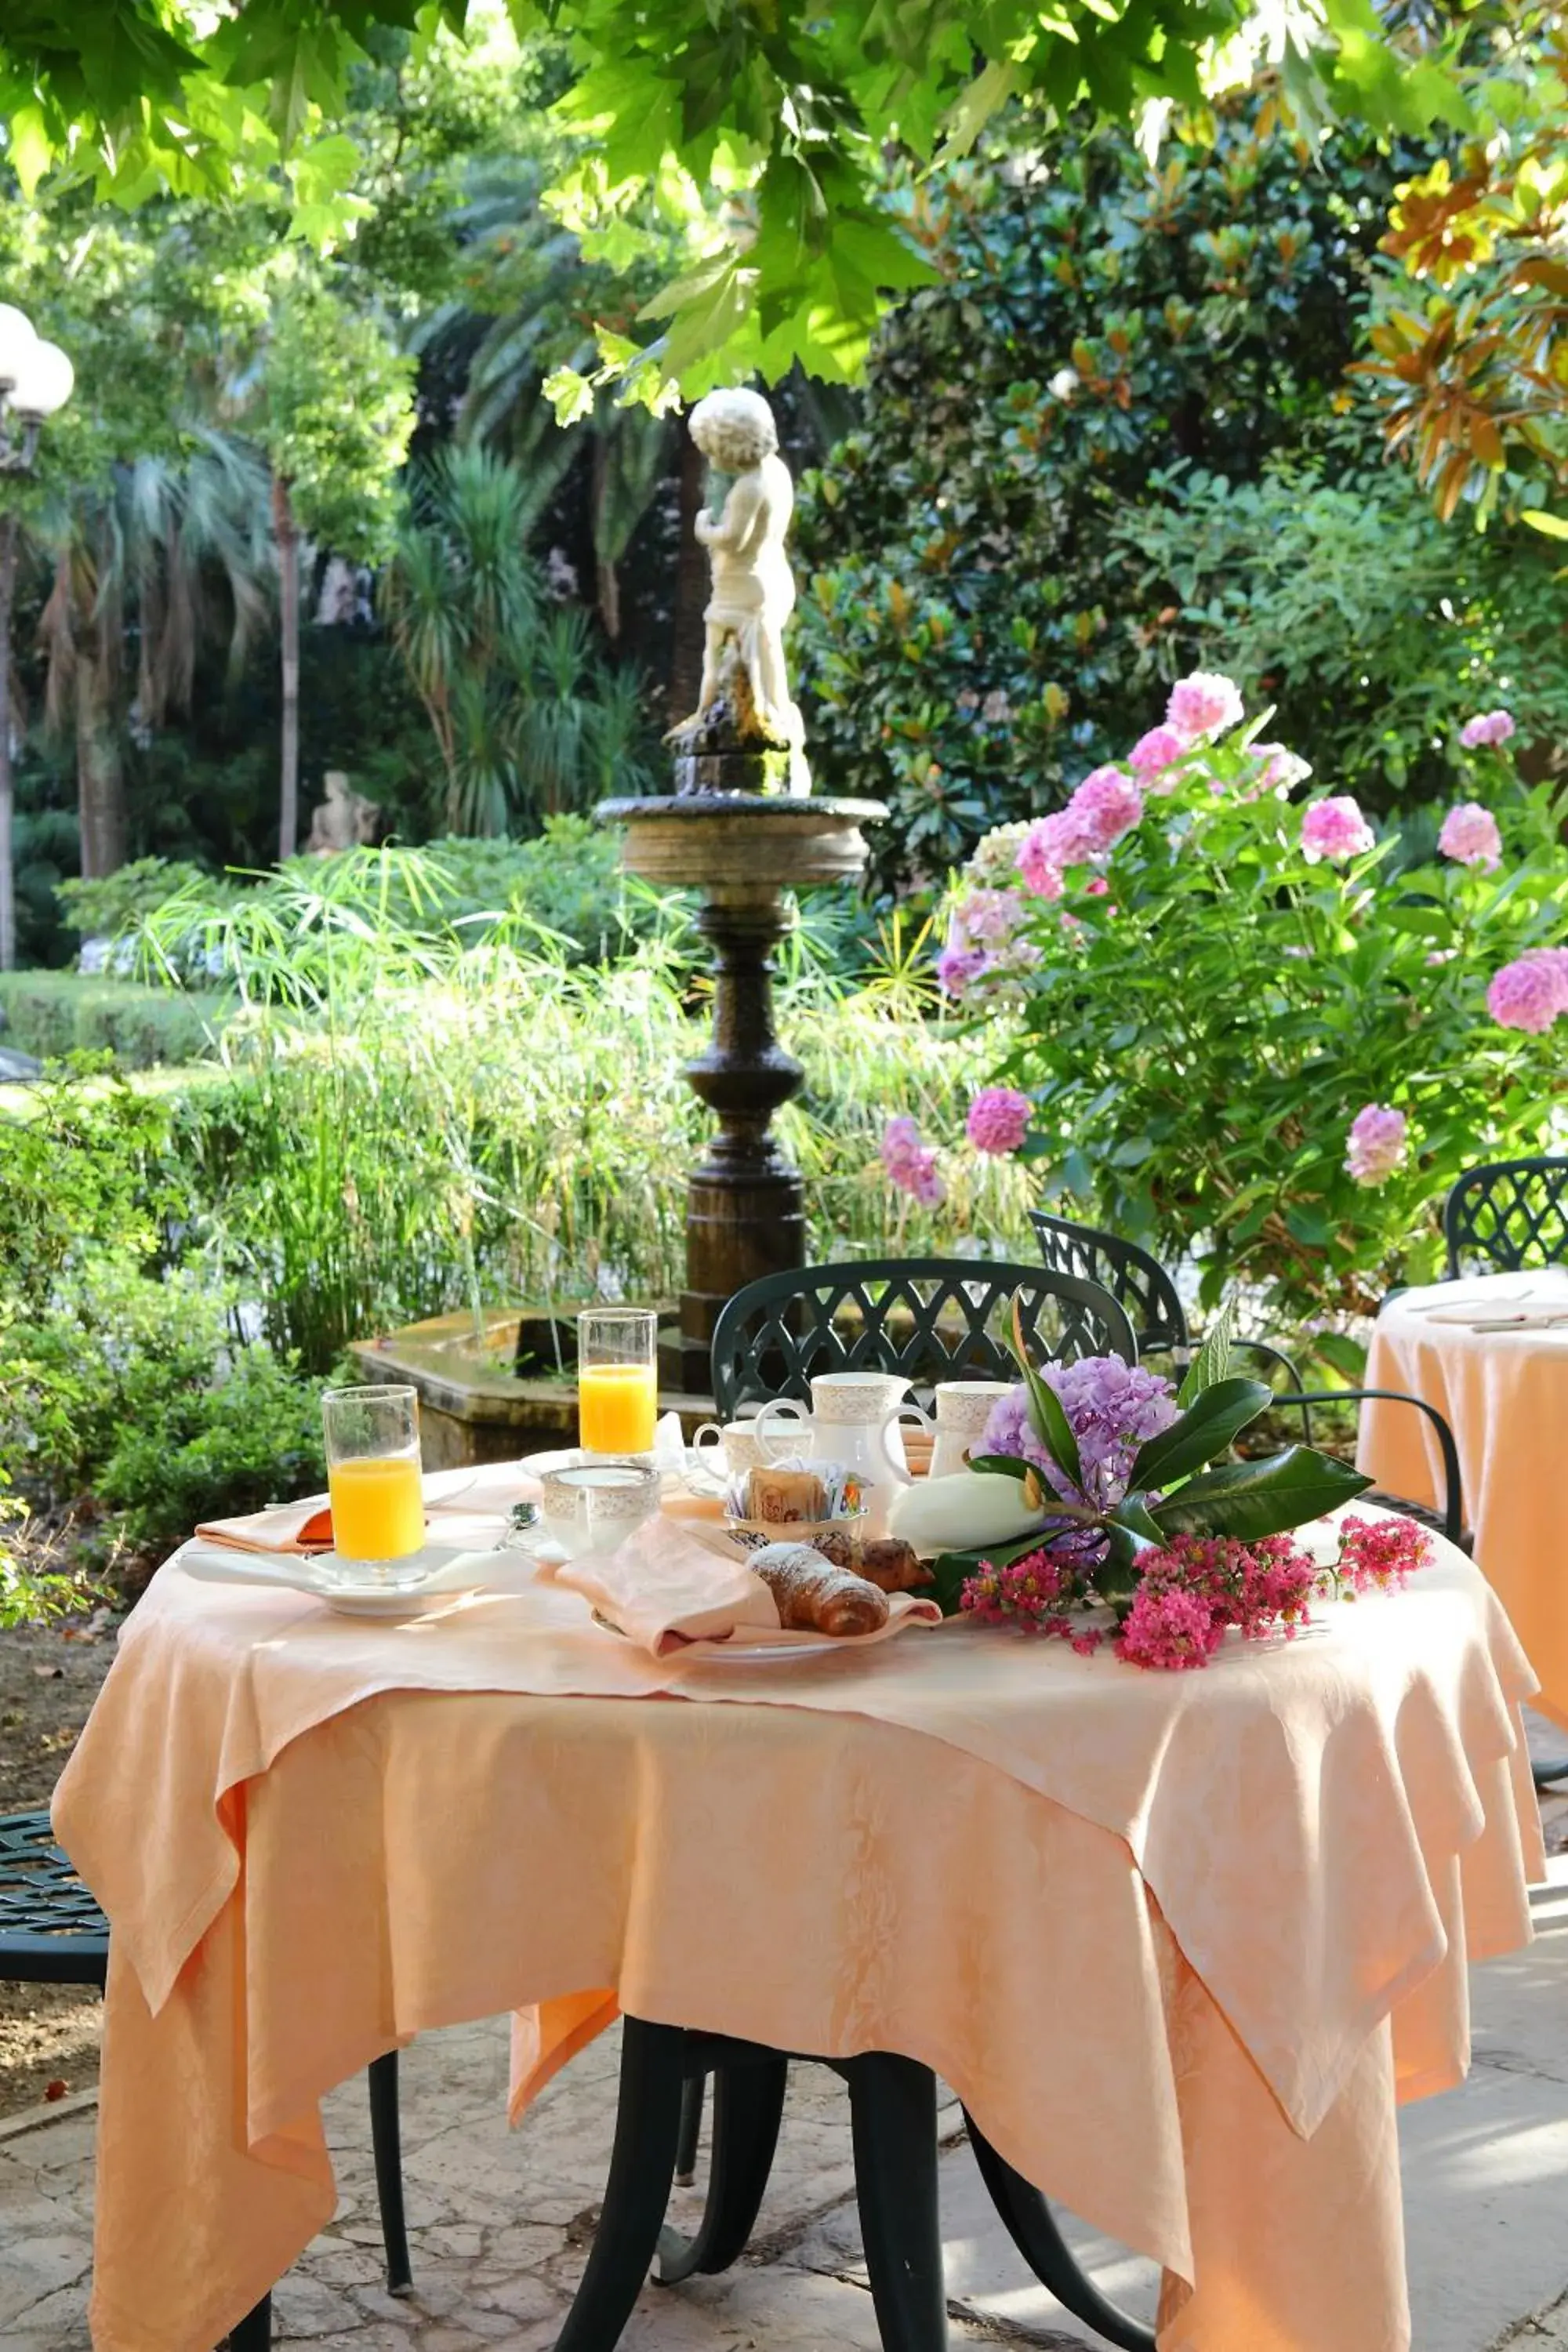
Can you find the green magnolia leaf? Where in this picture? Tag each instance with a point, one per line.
(1212, 1361)
(1118, 1572)
(1051, 1425)
(1253, 1499)
(1132, 1512)
(1204, 1429)
(1007, 1465)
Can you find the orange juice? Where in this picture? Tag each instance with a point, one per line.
(618, 1405)
(378, 1509)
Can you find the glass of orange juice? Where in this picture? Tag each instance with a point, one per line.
(372, 1475)
(617, 1380)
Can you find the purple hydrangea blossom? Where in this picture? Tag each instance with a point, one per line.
(1487, 727)
(990, 916)
(1377, 1143)
(1470, 836)
(1203, 704)
(1336, 829)
(958, 967)
(1529, 992)
(998, 1119)
(1111, 1409)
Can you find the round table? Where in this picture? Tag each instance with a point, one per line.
(1484, 1351)
(1179, 1942)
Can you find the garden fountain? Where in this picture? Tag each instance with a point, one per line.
(744, 827)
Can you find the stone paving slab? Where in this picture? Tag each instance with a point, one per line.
(499, 2221)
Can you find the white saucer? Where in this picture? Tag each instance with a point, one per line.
(445, 1573)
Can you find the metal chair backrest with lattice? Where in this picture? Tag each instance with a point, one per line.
(1135, 1280)
(932, 1319)
(1508, 1215)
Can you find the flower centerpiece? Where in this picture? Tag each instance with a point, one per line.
(1134, 1519)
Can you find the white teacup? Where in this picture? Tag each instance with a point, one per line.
(594, 1506)
(728, 1447)
(962, 1409)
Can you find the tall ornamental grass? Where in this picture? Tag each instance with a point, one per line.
(412, 1125)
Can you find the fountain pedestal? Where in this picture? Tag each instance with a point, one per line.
(746, 1212)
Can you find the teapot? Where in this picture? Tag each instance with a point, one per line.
(854, 1420)
(962, 1409)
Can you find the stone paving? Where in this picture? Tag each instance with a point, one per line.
(499, 2220)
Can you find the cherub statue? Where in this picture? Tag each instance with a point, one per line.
(753, 587)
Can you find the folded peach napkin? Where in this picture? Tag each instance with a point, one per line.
(306, 1526)
(675, 1585)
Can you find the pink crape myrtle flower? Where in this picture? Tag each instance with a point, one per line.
(1488, 728)
(998, 1119)
(1377, 1143)
(1470, 836)
(1156, 749)
(1106, 805)
(1203, 704)
(1336, 829)
(1529, 992)
(910, 1165)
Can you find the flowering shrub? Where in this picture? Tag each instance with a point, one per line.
(1244, 1025)
(1134, 1518)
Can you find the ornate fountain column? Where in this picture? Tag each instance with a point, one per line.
(743, 826)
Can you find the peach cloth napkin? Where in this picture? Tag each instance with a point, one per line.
(1505, 1396)
(452, 1499)
(675, 1587)
(1195, 1931)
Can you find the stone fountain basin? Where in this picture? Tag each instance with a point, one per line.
(740, 842)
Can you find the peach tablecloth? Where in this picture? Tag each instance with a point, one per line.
(1505, 1396)
(1179, 1941)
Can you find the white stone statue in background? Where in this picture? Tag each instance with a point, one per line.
(753, 586)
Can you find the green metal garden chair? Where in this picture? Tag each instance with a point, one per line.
(1508, 1215)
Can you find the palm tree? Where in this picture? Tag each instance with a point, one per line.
(176, 552)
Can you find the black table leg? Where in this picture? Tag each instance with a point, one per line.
(386, 2139)
(254, 2333)
(1546, 1776)
(748, 2106)
(1031, 2228)
(892, 2113)
(642, 2170)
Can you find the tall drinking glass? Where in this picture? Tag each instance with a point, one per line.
(617, 1380)
(373, 1474)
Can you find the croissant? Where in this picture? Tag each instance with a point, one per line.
(894, 1565)
(814, 1597)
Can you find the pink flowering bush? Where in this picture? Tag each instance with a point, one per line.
(998, 1119)
(910, 1164)
(1248, 1027)
(1469, 836)
(1336, 829)
(1377, 1142)
(1487, 729)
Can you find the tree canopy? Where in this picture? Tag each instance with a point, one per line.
(780, 116)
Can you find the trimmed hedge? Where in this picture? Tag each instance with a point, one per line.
(52, 1013)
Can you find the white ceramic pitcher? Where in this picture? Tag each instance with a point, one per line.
(854, 1419)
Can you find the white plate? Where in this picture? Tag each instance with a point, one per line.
(446, 1573)
(747, 1654)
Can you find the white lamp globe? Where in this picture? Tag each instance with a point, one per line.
(16, 340)
(44, 381)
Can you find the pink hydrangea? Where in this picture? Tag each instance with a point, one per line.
(1107, 805)
(1377, 1143)
(1203, 704)
(1529, 992)
(1156, 749)
(1470, 836)
(998, 1119)
(957, 968)
(1040, 857)
(1487, 727)
(990, 915)
(1336, 829)
(1282, 769)
(910, 1163)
